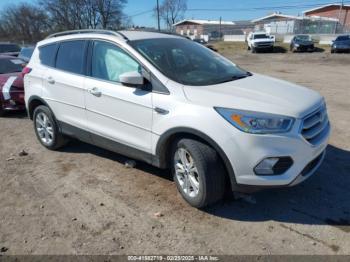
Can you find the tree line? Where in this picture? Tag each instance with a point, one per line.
(29, 23)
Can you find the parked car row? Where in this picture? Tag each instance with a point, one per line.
(12, 62)
(257, 41)
(341, 44)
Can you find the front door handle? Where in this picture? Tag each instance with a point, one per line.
(95, 91)
(50, 80)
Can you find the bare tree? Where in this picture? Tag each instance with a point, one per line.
(32, 22)
(110, 12)
(23, 22)
(78, 14)
(171, 11)
(66, 14)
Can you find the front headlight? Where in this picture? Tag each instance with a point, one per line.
(255, 122)
(296, 45)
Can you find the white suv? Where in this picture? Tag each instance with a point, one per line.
(175, 104)
(259, 41)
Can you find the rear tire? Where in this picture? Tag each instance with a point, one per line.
(2, 111)
(47, 130)
(198, 173)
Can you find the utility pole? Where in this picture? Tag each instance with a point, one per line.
(158, 16)
(339, 16)
(220, 28)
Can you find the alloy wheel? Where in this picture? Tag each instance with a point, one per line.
(44, 128)
(186, 172)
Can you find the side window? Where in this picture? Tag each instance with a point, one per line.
(70, 56)
(47, 54)
(109, 62)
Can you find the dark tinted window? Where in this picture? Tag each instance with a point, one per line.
(70, 56)
(261, 36)
(7, 48)
(26, 52)
(343, 38)
(11, 65)
(47, 54)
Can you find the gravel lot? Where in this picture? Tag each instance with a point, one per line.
(82, 200)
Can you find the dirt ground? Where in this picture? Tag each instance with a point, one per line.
(82, 200)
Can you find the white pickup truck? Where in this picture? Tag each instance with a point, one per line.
(260, 40)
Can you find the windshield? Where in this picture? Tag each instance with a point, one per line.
(303, 37)
(11, 65)
(262, 36)
(187, 62)
(26, 52)
(343, 38)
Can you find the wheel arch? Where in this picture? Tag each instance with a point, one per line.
(167, 139)
(34, 102)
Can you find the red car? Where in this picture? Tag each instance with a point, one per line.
(11, 84)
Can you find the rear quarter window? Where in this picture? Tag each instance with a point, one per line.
(47, 54)
(70, 56)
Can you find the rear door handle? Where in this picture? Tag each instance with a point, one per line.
(161, 111)
(95, 91)
(50, 80)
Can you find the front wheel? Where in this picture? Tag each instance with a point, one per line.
(198, 173)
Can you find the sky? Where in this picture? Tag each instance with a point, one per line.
(231, 10)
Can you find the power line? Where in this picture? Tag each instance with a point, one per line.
(142, 13)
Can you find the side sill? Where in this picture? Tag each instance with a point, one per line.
(107, 144)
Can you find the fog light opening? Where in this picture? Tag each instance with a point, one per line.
(273, 166)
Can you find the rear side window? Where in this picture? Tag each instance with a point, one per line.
(70, 56)
(8, 48)
(47, 54)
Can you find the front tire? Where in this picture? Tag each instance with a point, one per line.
(46, 129)
(198, 173)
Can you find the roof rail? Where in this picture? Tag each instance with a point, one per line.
(88, 31)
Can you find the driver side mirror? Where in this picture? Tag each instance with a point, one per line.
(132, 79)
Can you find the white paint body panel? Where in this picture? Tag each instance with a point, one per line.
(121, 113)
(126, 115)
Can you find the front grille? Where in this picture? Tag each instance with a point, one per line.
(264, 44)
(316, 126)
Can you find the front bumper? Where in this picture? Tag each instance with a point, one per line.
(250, 150)
(341, 49)
(264, 46)
(305, 48)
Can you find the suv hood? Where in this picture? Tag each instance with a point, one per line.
(257, 93)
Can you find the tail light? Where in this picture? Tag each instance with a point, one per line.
(25, 71)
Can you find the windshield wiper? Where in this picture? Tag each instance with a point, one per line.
(236, 77)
